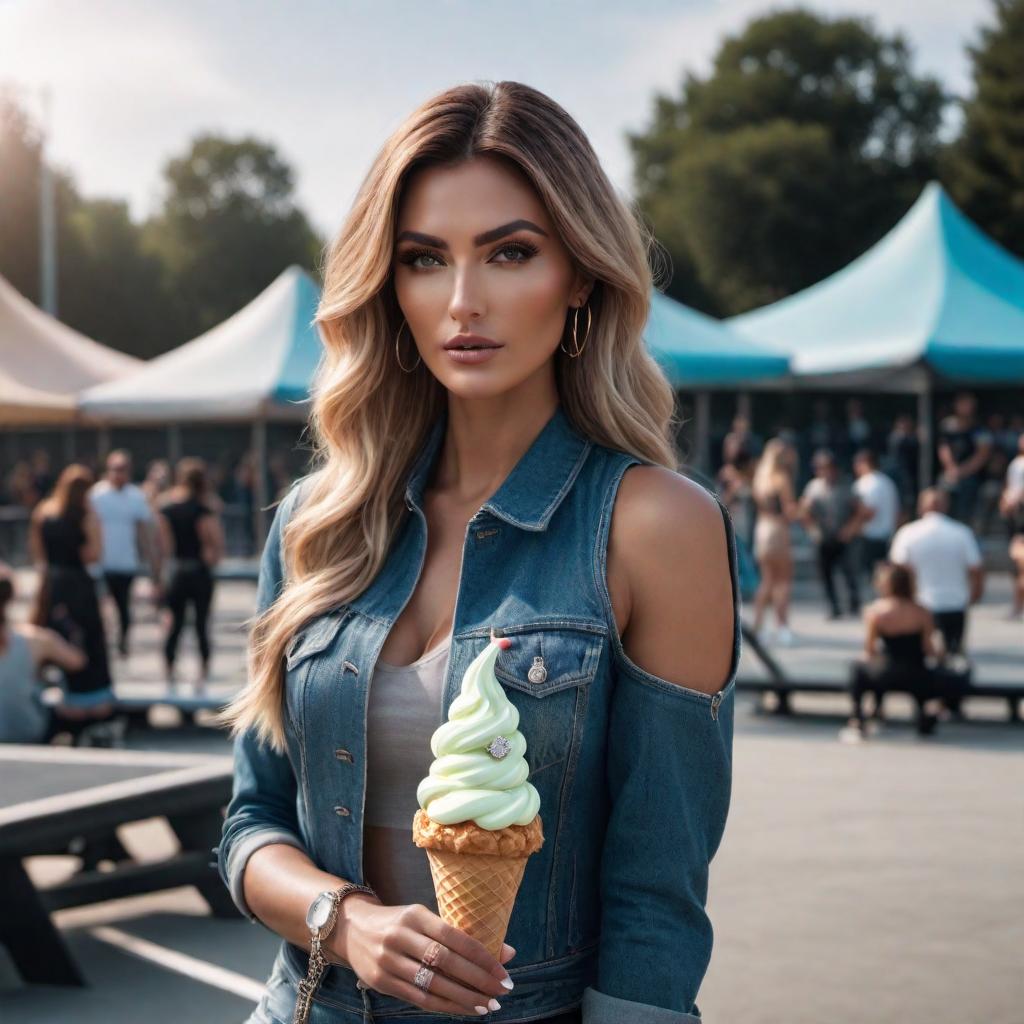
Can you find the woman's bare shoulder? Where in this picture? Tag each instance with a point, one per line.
(668, 544)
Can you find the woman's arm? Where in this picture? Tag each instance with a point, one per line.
(870, 632)
(92, 550)
(48, 646)
(787, 498)
(669, 762)
(165, 535)
(211, 537)
(928, 635)
(36, 548)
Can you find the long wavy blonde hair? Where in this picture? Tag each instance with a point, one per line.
(369, 418)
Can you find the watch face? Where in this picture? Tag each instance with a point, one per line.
(319, 912)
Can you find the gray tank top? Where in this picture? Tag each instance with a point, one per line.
(404, 710)
(22, 715)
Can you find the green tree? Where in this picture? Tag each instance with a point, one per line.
(111, 288)
(228, 227)
(985, 167)
(805, 143)
(20, 154)
(107, 287)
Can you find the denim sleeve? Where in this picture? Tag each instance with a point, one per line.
(263, 802)
(670, 781)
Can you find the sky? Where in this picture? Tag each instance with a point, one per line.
(326, 81)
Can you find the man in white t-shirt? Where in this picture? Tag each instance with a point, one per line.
(879, 494)
(128, 528)
(946, 562)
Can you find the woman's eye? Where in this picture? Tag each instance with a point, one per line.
(413, 256)
(520, 249)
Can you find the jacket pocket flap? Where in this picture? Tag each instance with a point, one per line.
(547, 656)
(315, 636)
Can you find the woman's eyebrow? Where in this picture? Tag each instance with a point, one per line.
(488, 236)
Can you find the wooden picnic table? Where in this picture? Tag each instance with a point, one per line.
(52, 797)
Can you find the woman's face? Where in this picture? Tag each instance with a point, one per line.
(476, 253)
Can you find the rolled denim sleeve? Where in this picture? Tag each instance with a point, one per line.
(263, 802)
(670, 781)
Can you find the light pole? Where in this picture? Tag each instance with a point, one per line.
(47, 217)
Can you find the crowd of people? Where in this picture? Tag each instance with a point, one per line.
(923, 562)
(92, 539)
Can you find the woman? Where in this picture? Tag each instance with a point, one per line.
(25, 650)
(1011, 506)
(774, 499)
(897, 642)
(735, 488)
(458, 491)
(64, 537)
(192, 536)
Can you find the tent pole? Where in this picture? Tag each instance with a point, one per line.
(102, 444)
(173, 443)
(745, 407)
(926, 451)
(259, 455)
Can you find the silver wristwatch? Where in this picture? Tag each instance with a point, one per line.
(321, 918)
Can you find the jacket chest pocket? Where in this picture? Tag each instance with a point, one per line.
(548, 670)
(309, 648)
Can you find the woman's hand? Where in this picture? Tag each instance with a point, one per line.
(385, 945)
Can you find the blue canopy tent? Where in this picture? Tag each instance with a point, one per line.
(697, 351)
(934, 301)
(700, 353)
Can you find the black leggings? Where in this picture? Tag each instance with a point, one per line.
(191, 583)
(833, 554)
(120, 586)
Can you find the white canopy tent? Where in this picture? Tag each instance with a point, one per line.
(44, 363)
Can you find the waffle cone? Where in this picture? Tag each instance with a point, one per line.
(477, 873)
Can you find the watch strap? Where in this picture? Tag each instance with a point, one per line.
(318, 963)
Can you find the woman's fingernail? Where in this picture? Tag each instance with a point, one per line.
(494, 1005)
(508, 983)
(481, 1010)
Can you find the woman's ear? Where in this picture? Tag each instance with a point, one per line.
(582, 287)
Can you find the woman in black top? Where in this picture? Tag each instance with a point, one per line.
(897, 649)
(64, 536)
(194, 540)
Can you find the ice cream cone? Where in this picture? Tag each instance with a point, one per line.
(479, 817)
(477, 873)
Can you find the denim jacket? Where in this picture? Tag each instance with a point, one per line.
(633, 771)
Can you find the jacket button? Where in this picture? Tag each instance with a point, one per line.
(342, 812)
(344, 755)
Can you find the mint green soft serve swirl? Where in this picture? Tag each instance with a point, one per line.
(465, 782)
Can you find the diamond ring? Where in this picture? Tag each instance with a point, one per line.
(424, 976)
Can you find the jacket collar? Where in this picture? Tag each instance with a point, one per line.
(537, 483)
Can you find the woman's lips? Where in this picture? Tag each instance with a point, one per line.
(471, 357)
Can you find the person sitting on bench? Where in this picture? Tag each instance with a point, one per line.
(897, 642)
(24, 648)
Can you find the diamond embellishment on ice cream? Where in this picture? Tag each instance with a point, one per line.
(498, 747)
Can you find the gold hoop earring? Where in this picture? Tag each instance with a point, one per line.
(398, 357)
(576, 344)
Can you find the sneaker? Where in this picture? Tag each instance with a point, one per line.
(784, 637)
(851, 734)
